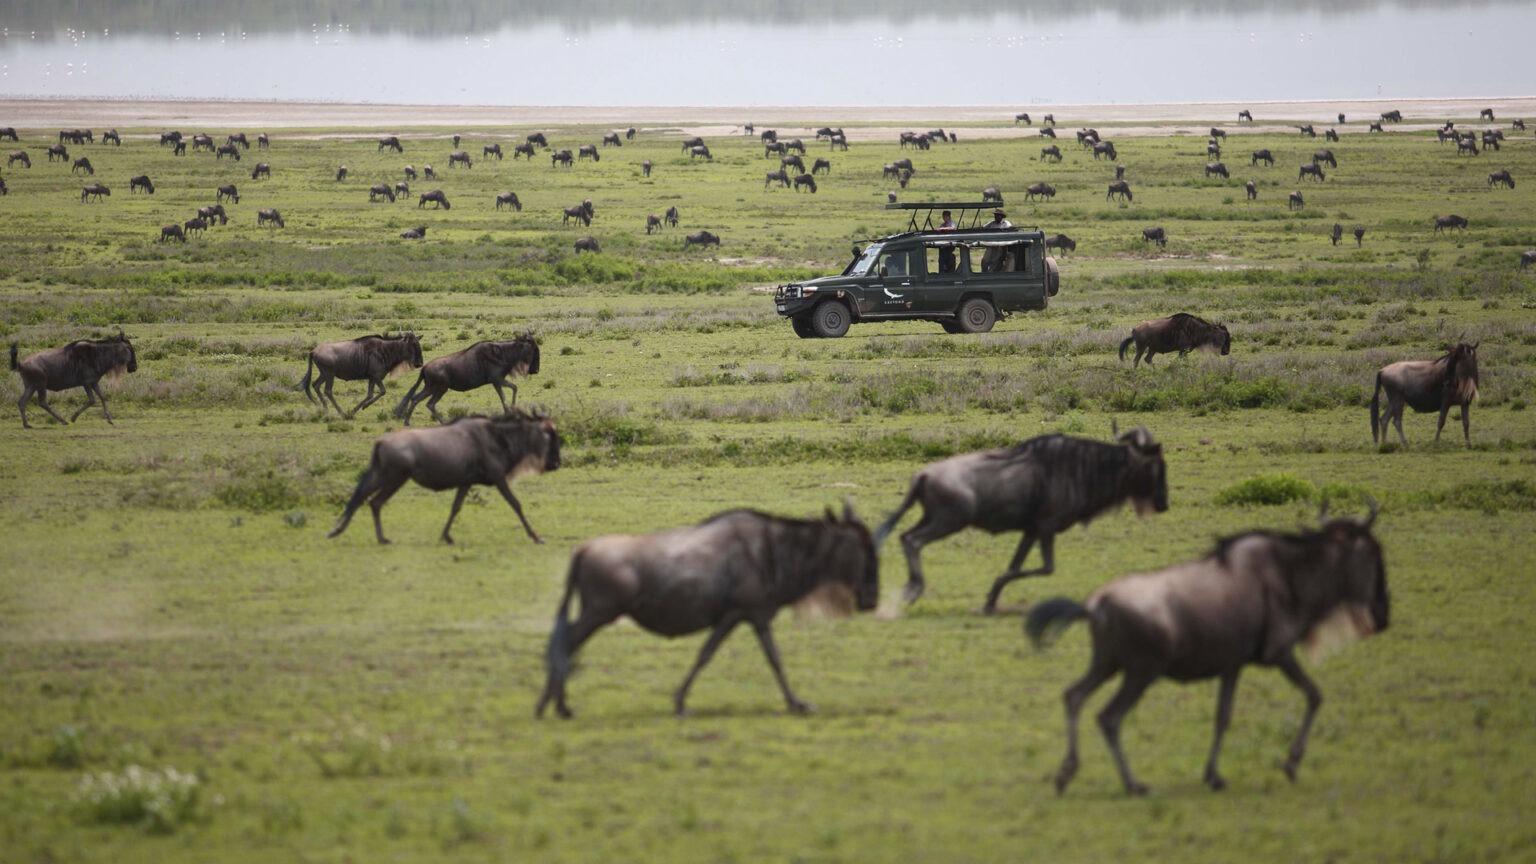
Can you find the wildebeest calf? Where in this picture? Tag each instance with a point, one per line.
(1249, 601)
(82, 363)
(1427, 386)
(1040, 487)
(1181, 332)
(738, 567)
(468, 451)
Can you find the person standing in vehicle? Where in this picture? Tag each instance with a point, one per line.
(999, 220)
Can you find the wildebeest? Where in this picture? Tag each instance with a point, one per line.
(261, 170)
(82, 164)
(487, 362)
(1337, 234)
(18, 156)
(491, 150)
(792, 161)
(1217, 168)
(402, 189)
(821, 166)
(417, 233)
(700, 150)
(1041, 487)
(1051, 152)
(587, 151)
(580, 212)
(796, 145)
(1517, 123)
(1311, 169)
(1295, 201)
(82, 363)
(229, 150)
(1105, 148)
(391, 142)
(629, 134)
(1252, 190)
(537, 138)
(1374, 127)
(614, 139)
(341, 173)
(1023, 117)
(671, 217)
(1452, 221)
(372, 358)
(1527, 258)
(1121, 188)
(196, 223)
(561, 157)
(1485, 114)
(1251, 600)
(701, 238)
(1427, 386)
(992, 193)
(1321, 156)
(172, 232)
(1466, 145)
(1036, 190)
(1119, 172)
(1359, 235)
(840, 141)
(1049, 118)
(202, 142)
(805, 181)
(587, 244)
(509, 199)
(212, 212)
(771, 177)
(1264, 156)
(1307, 130)
(437, 197)
(263, 141)
(826, 132)
(235, 138)
(465, 452)
(1181, 332)
(94, 191)
(459, 157)
(1048, 133)
(59, 152)
(645, 168)
(171, 137)
(1501, 178)
(652, 223)
(269, 216)
(229, 191)
(523, 150)
(410, 172)
(1331, 135)
(1213, 149)
(1393, 116)
(381, 190)
(1062, 242)
(741, 566)
(1244, 115)
(696, 141)
(1155, 235)
(10, 132)
(142, 181)
(1217, 132)
(1491, 139)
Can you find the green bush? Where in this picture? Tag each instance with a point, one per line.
(1266, 490)
(158, 801)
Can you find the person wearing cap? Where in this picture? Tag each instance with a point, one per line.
(999, 220)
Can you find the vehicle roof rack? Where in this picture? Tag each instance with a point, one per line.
(976, 209)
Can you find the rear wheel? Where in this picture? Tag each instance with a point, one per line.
(830, 320)
(975, 316)
(802, 325)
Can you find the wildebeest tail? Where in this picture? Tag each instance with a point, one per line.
(304, 382)
(403, 409)
(1126, 344)
(1375, 406)
(886, 527)
(557, 657)
(1048, 618)
(14, 365)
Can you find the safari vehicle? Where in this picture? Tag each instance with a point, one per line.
(964, 279)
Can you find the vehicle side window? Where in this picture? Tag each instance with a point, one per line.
(894, 264)
(944, 259)
(1006, 259)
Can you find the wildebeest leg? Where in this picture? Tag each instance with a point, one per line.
(432, 404)
(1466, 421)
(42, 399)
(328, 381)
(506, 492)
(371, 397)
(924, 532)
(722, 629)
(1395, 412)
(387, 487)
(458, 501)
(1223, 719)
(496, 385)
(90, 399)
(508, 381)
(1293, 671)
(765, 638)
(1099, 671)
(1131, 687)
(366, 484)
(587, 623)
(1047, 552)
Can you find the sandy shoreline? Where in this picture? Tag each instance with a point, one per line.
(198, 115)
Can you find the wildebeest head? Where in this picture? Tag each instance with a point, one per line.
(413, 342)
(1147, 480)
(108, 357)
(1460, 370)
(532, 435)
(850, 575)
(1342, 599)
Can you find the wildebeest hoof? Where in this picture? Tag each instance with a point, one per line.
(913, 591)
(1137, 790)
(802, 708)
(1216, 782)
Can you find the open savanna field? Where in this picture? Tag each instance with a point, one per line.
(178, 634)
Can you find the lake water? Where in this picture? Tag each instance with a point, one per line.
(1103, 53)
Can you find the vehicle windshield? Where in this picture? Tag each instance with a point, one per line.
(865, 261)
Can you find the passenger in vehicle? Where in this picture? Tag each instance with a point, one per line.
(999, 220)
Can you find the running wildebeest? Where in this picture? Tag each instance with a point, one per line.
(82, 363)
(1452, 221)
(212, 212)
(490, 362)
(701, 238)
(465, 452)
(141, 182)
(437, 197)
(1217, 168)
(992, 193)
(417, 233)
(1501, 178)
(94, 191)
(1296, 201)
(83, 164)
(771, 177)
(18, 156)
(509, 199)
(1337, 234)
(1427, 386)
(1321, 156)
(1034, 190)
(561, 157)
(1252, 189)
(1311, 169)
(371, 358)
(491, 150)
(457, 157)
(1062, 242)
(227, 191)
(821, 166)
(1040, 487)
(1251, 600)
(805, 181)
(262, 169)
(1155, 235)
(172, 232)
(1121, 188)
(738, 567)
(587, 244)
(652, 223)
(391, 142)
(269, 216)
(587, 151)
(1105, 148)
(1181, 332)
(671, 217)
(381, 190)
(1051, 152)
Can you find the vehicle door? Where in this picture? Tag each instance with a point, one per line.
(896, 283)
(946, 270)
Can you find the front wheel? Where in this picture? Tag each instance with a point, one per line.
(976, 316)
(830, 320)
(802, 326)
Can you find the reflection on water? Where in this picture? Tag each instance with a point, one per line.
(867, 55)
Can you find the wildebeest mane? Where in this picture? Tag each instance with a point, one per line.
(1079, 468)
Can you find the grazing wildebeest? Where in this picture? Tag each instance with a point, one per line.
(523, 150)
(1181, 332)
(1393, 116)
(771, 177)
(1155, 235)
(1105, 148)
(1517, 123)
(1062, 242)
(381, 190)
(561, 157)
(18, 156)
(261, 170)
(826, 132)
(588, 151)
(701, 150)
(1119, 172)
(1217, 168)
(652, 223)
(236, 138)
(690, 143)
(1307, 131)
(629, 134)
(141, 182)
(82, 164)
(437, 197)
(537, 138)
(229, 150)
(1295, 202)
(230, 191)
(1444, 135)
(82, 363)
(1466, 145)
(487, 362)
(1321, 156)
(410, 172)
(1034, 190)
(1374, 127)
(701, 238)
(1359, 235)
(1023, 118)
(1427, 386)
(739, 566)
(269, 216)
(212, 212)
(1252, 189)
(372, 358)
(992, 193)
(1049, 118)
(1491, 139)
(1251, 600)
(341, 173)
(391, 142)
(1485, 114)
(645, 168)
(1330, 135)
(1501, 178)
(491, 150)
(671, 217)
(1244, 115)
(172, 232)
(196, 223)
(1337, 234)
(96, 191)
(889, 170)
(838, 141)
(1121, 188)
(581, 213)
(919, 141)
(10, 132)
(613, 139)
(180, 149)
(1311, 169)
(402, 189)
(417, 233)
(263, 142)
(587, 244)
(1218, 132)
(821, 166)
(171, 137)
(509, 199)
(465, 452)
(796, 145)
(792, 161)
(59, 152)
(1041, 487)
(457, 157)
(202, 142)
(1213, 149)
(805, 181)
(1452, 221)
(1051, 152)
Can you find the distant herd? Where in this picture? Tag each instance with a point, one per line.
(1253, 599)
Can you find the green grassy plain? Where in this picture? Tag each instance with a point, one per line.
(169, 599)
